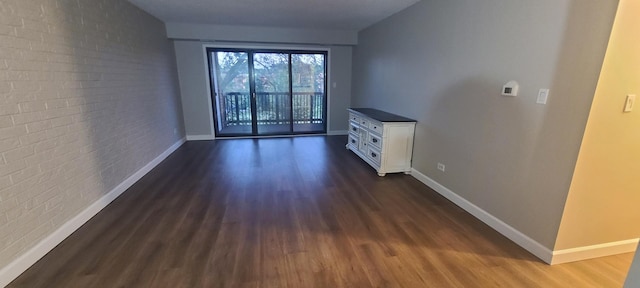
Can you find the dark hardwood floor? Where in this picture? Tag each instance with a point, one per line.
(294, 212)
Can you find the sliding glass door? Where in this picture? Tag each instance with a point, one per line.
(268, 92)
(232, 94)
(309, 95)
(272, 93)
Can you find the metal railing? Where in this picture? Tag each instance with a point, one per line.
(272, 108)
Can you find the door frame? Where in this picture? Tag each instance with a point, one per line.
(252, 90)
(264, 48)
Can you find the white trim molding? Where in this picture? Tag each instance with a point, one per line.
(200, 137)
(524, 241)
(593, 251)
(338, 132)
(22, 263)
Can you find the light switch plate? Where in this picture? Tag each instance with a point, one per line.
(543, 95)
(631, 101)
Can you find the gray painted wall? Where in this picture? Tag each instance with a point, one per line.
(192, 67)
(633, 278)
(260, 34)
(192, 70)
(444, 64)
(192, 74)
(340, 95)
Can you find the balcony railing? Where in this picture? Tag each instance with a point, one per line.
(272, 108)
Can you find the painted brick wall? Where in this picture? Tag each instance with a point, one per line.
(88, 96)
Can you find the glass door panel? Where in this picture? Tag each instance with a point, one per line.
(308, 85)
(234, 112)
(272, 93)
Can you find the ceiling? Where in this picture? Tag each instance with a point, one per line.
(311, 14)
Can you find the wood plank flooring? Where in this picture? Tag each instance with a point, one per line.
(294, 212)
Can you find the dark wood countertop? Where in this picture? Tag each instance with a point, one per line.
(380, 115)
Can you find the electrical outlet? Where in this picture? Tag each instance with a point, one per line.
(628, 105)
(441, 167)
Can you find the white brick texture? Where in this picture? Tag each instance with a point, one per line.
(88, 96)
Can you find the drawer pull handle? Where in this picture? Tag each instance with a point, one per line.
(374, 155)
(353, 141)
(374, 140)
(375, 127)
(354, 129)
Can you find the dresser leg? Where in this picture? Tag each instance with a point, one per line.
(382, 174)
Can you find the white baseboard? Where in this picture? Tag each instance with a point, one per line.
(338, 132)
(18, 266)
(524, 241)
(200, 137)
(594, 251)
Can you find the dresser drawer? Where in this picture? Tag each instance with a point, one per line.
(375, 127)
(375, 141)
(374, 155)
(364, 122)
(353, 140)
(354, 118)
(354, 128)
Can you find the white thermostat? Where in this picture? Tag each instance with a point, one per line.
(510, 89)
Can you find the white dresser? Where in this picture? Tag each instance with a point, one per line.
(382, 139)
